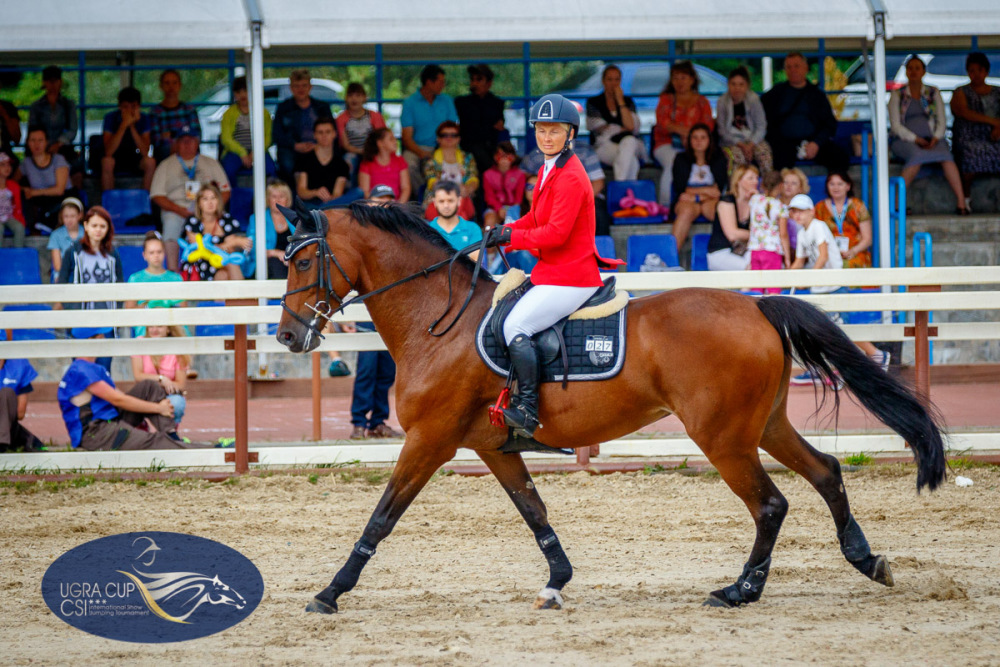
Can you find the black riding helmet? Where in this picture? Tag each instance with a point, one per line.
(554, 108)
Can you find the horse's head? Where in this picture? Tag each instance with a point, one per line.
(322, 269)
(221, 593)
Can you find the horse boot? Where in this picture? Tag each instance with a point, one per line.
(522, 415)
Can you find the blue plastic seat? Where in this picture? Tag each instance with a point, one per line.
(642, 245)
(213, 329)
(605, 246)
(817, 188)
(645, 190)
(19, 266)
(30, 334)
(132, 260)
(241, 205)
(699, 252)
(123, 205)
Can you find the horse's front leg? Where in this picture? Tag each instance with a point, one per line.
(417, 462)
(510, 471)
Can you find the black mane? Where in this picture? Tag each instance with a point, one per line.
(403, 220)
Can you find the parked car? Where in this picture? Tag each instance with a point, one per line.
(946, 72)
(643, 81)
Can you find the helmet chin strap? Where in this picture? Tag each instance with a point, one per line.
(568, 146)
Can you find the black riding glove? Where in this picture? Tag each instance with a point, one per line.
(499, 235)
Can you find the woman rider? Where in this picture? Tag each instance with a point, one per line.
(560, 229)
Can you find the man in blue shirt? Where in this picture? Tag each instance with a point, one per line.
(293, 123)
(422, 112)
(100, 417)
(15, 385)
(126, 141)
(458, 232)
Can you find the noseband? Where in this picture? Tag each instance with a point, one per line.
(323, 311)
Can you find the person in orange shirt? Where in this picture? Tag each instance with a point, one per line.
(559, 229)
(680, 108)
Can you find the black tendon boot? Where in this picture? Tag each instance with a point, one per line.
(522, 415)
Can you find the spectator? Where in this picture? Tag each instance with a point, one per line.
(503, 185)
(236, 152)
(15, 385)
(680, 108)
(176, 183)
(701, 171)
(100, 417)
(154, 252)
(294, 122)
(450, 163)
(793, 182)
(167, 370)
(457, 231)
(214, 224)
(916, 114)
(322, 176)
(518, 259)
(533, 161)
(356, 123)
(816, 249)
(56, 115)
(848, 219)
(976, 131)
(69, 231)
(614, 127)
(126, 141)
(800, 122)
(727, 247)
(277, 231)
(47, 176)
(769, 244)
(376, 373)
(11, 213)
(93, 260)
(10, 129)
(170, 117)
(480, 115)
(380, 165)
(423, 113)
(742, 124)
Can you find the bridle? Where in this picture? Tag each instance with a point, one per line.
(322, 309)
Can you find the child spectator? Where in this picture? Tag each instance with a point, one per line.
(773, 186)
(99, 416)
(63, 238)
(222, 229)
(450, 163)
(154, 252)
(126, 141)
(236, 154)
(11, 215)
(168, 370)
(503, 185)
(768, 244)
(381, 165)
(356, 123)
(15, 385)
(817, 249)
(93, 260)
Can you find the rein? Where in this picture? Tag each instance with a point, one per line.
(323, 310)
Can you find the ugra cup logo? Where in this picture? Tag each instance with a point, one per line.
(152, 587)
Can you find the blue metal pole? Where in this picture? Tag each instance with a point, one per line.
(526, 56)
(82, 107)
(378, 76)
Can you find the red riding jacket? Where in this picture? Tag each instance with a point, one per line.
(560, 228)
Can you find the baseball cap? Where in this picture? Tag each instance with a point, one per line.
(801, 202)
(72, 201)
(89, 332)
(4, 157)
(51, 73)
(188, 131)
(382, 191)
(481, 69)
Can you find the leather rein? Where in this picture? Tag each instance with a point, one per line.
(323, 310)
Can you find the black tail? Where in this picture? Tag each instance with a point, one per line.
(809, 334)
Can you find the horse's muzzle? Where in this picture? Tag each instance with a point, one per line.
(297, 342)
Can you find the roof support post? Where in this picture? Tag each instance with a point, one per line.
(881, 130)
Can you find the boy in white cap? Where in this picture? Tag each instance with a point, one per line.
(815, 248)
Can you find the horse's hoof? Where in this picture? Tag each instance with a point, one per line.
(317, 606)
(548, 598)
(718, 599)
(881, 573)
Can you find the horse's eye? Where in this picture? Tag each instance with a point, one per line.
(303, 264)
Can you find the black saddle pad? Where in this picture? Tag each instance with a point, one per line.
(596, 349)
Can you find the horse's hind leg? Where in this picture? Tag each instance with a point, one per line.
(417, 462)
(510, 471)
(745, 475)
(784, 443)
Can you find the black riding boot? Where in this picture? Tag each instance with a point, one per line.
(522, 415)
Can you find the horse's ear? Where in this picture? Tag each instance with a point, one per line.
(302, 211)
(320, 222)
(291, 216)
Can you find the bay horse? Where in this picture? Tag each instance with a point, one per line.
(718, 360)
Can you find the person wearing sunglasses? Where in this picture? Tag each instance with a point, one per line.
(451, 163)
